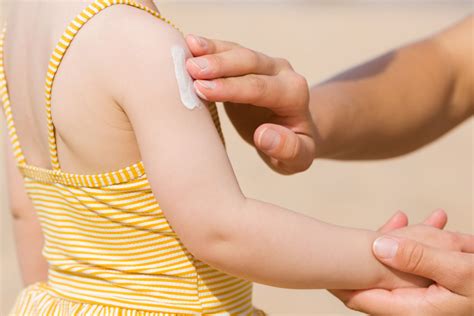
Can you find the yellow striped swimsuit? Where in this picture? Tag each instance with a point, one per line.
(111, 250)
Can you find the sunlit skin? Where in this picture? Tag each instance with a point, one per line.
(219, 240)
(186, 163)
(358, 115)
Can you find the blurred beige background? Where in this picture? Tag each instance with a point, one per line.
(320, 39)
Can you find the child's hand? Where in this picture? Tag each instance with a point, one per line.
(427, 235)
(430, 236)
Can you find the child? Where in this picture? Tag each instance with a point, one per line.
(116, 96)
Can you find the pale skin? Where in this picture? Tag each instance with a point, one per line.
(358, 115)
(231, 235)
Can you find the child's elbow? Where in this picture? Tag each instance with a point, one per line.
(213, 251)
(213, 237)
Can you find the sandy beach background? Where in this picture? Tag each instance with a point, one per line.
(321, 38)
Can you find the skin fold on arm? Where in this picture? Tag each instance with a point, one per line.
(193, 180)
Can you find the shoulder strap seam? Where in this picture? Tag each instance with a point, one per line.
(10, 124)
(60, 50)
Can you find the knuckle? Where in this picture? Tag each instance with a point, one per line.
(299, 92)
(300, 81)
(251, 56)
(455, 241)
(466, 271)
(293, 149)
(412, 257)
(283, 63)
(259, 86)
(225, 90)
(464, 266)
(234, 44)
(215, 63)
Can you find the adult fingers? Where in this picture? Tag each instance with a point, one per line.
(398, 220)
(273, 92)
(289, 151)
(382, 302)
(250, 89)
(373, 302)
(235, 62)
(464, 242)
(453, 270)
(199, 45)
(435, 301)
(437, 219)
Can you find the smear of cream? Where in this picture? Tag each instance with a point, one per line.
(185, 82)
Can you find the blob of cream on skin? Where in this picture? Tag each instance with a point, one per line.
(187, 93)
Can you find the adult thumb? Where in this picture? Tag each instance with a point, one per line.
(448, 268)
(289, 151)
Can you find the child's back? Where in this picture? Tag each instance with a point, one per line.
(109, 246)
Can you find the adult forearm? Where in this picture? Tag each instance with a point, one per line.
(304, 253)
(395, 103)
(386, 107)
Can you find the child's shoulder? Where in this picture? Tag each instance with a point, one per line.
(132, 46)
(133, 30)
(120, 59)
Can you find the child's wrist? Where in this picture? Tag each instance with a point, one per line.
(383, 276)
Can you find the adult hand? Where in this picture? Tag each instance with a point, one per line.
(250, 84)
(453, 272)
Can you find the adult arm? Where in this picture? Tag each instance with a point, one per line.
(386, 107)
(400, 101)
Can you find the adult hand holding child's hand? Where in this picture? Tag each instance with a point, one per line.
(449, 263)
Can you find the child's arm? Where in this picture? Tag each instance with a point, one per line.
(193, 180)
(26, 226)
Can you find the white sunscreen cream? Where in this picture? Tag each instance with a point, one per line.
(185, 82)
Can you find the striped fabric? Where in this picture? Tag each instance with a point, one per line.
(110, 248)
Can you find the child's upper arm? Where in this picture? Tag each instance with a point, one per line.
(185, 161)
(26, 226)
(19, 203)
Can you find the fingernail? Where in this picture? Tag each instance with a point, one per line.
(269, 140)
(199, 93)
(207, 84)
(385, 248)
(202, 63)
(200, 41)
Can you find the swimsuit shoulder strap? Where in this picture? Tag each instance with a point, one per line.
(60, 50)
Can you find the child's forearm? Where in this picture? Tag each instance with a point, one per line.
(270, 245)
